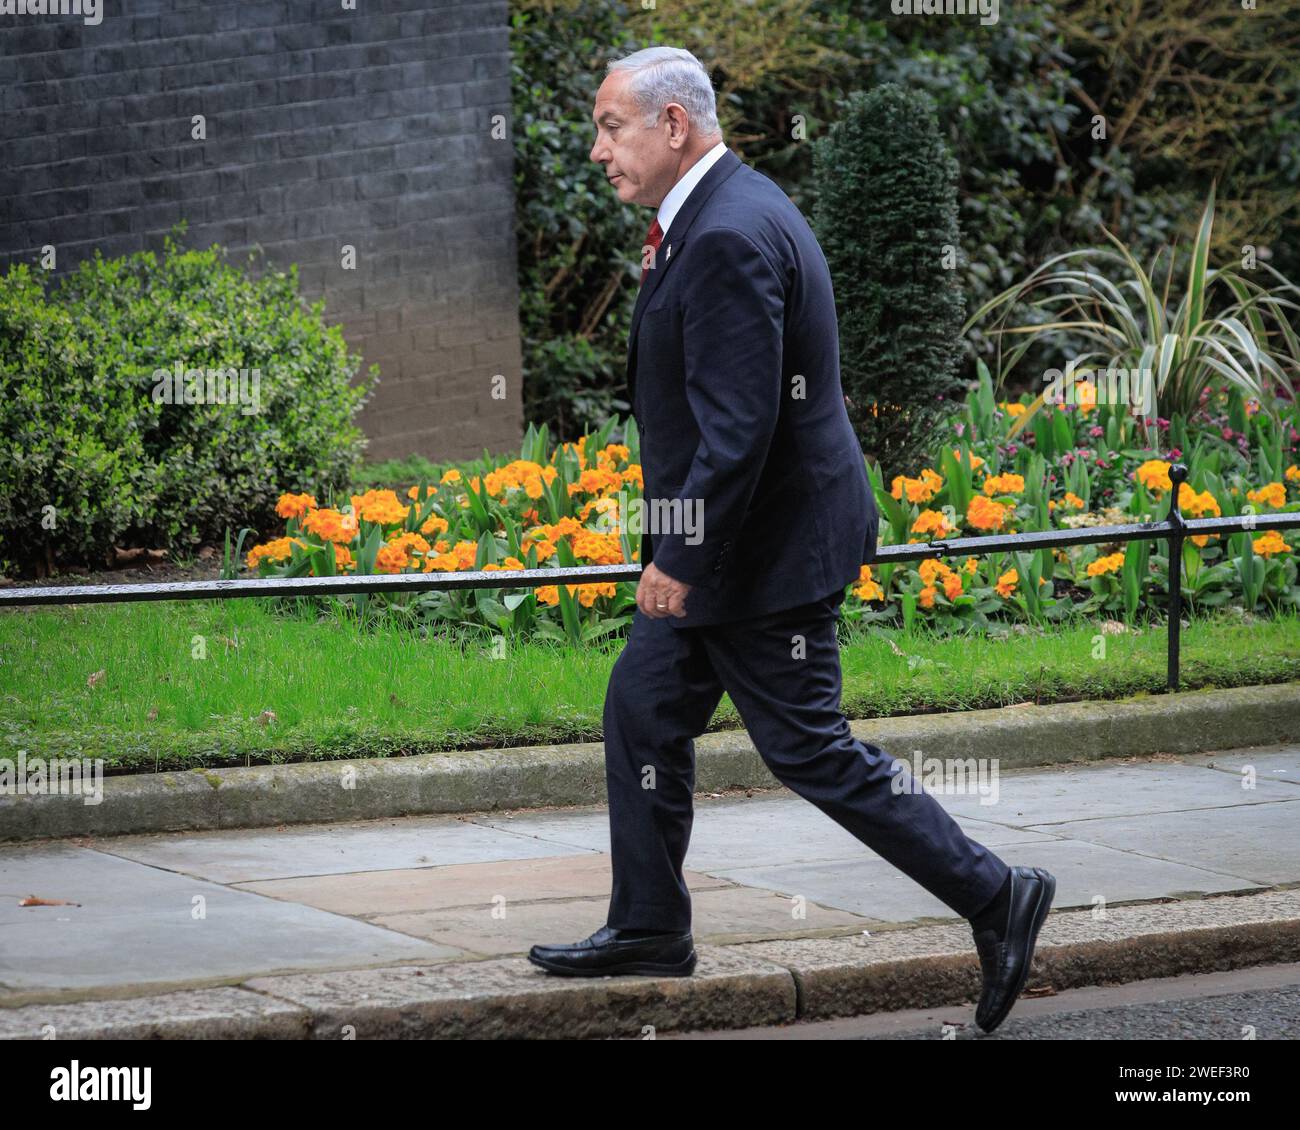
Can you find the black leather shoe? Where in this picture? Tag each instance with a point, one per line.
(1005, 960)
(609, 951)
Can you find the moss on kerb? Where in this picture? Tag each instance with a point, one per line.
(211, 778)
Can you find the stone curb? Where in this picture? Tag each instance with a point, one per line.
(740, 986)
(558, 775)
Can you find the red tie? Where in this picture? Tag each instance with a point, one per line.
(653, 238)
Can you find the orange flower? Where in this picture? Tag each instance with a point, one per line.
(985, 514)
(1004, 484)
(1007, 583)
(952, 586)
(1111, 564)
(392, 559)
(1273, 495)
(927, 596)
(435, 525)
(930, 569)
(294, 505)
(1197, 505)
(587, 594)
(1073, 501)
(866, 588)
(932, 522)
(382, 506)
(918, 490)
(1270, 544)
(281, 549)
(330, 525)
(1154, 475)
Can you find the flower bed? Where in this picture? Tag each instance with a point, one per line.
(1004, 468)
(1016, 467)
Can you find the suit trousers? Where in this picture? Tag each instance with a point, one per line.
(782, 671)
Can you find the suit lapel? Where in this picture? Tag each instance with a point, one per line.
(671, 249)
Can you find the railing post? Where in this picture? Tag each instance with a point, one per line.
(1177, 476)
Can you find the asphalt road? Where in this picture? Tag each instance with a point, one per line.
(1262, 1003)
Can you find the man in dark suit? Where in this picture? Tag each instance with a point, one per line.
(760, 515)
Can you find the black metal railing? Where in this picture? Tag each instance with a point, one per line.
(1175, 529)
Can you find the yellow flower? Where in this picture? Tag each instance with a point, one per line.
(1112, 564)
(985, 514)
(1087, 396)
(1007, 583)
(1013, 409)
(1270, 544)
(971, 566)
(294, 505)
(1273, 495)
(1004, 484)
(1293, 473)
(415, 490)
(1154, 475)
(1073, 501)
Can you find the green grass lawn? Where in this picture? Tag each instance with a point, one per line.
(335, 692)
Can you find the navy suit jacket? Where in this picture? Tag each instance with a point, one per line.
(734, 378)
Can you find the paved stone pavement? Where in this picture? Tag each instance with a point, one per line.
(161, 911)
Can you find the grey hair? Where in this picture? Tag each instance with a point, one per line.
(661, 75)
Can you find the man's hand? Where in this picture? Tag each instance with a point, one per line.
(658, 595)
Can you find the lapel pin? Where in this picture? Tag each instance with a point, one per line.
(669, 253)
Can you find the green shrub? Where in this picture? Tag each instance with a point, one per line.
(83, 411)
(74, 475)
(886, 217)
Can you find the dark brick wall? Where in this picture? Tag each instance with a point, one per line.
(325, 127)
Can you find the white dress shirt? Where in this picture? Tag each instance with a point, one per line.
(677, 195)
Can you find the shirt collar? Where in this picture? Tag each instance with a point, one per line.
(677, 195)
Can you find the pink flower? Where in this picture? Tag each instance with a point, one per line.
(1227, 433)
(1095, 431)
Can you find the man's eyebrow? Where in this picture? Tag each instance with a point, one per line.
(607, 114)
